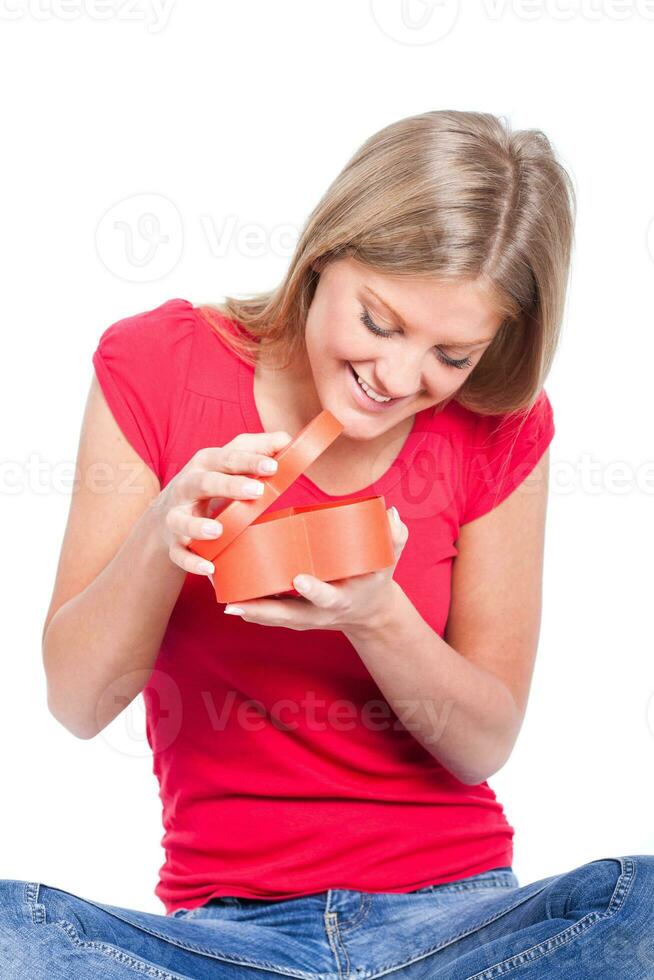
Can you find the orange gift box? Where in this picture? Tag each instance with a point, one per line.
(260, 554)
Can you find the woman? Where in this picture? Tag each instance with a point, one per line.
(323, 757)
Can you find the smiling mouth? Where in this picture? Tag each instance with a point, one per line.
(386, 400)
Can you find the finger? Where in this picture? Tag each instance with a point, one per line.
(320, 593)
(190, 528)
(236, 459)
(264, 441)
(189, 561)
(267, 612)
(399, 531)
(243, 453)
(207, 484)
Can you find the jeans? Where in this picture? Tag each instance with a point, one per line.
(595, 921)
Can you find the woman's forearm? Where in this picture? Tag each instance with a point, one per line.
(100, 646)
(463, 715)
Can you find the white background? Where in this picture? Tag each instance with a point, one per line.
(236, 117)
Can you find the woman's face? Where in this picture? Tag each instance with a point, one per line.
(440, 323)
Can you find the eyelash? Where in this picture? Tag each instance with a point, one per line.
(367, 322)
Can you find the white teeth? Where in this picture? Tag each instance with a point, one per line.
(371, 392)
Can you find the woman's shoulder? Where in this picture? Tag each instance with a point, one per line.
(156, 332)
(479, 430)
(141, 362)
(168, 349)
(493, 453)
(514, 431)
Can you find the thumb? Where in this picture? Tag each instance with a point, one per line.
(399, 531)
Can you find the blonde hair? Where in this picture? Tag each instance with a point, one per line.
(444, 195)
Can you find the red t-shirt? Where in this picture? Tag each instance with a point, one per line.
(282, 769)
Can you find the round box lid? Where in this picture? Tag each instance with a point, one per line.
(294, 459)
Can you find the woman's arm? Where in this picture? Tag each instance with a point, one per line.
(464, 697)
(124, 560)
(115, 586)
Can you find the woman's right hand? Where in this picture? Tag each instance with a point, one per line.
(209, 480)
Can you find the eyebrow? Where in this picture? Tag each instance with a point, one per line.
(445, 343)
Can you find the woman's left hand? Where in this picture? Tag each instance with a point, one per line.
(340, 605)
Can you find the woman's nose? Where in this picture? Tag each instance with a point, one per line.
(399, 380)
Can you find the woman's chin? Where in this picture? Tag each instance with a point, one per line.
(357, 426)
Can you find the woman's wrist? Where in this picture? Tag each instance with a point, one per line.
(379, 621)
(151, 529)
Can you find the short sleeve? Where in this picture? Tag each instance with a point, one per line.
(503, 452)
(141, 363)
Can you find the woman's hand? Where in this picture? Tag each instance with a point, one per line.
(340, 605)
(204, 485)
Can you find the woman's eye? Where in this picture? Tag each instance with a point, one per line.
(365, 319)
(464, 362)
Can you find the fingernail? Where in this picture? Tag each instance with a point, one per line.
(253, 486)
(302, 582)
(234, 610)
(205, 567)
(210, 529)
(396, 516)
(268, 465)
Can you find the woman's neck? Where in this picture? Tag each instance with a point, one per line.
(287, 400)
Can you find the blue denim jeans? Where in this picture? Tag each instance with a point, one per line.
(595, 921)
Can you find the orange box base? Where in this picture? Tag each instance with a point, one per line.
(329, 541)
